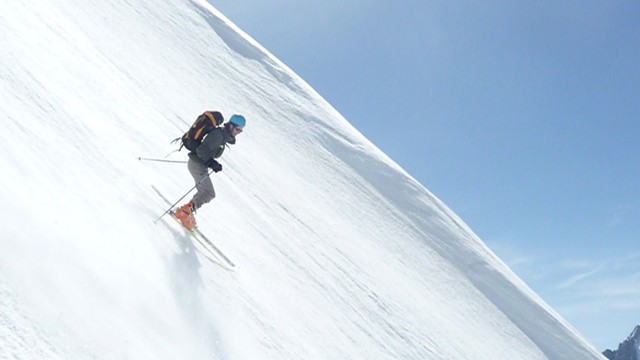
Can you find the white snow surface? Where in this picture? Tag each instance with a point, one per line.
(341, 254)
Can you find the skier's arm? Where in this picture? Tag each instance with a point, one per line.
(211, 147)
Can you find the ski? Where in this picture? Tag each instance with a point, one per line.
(209, 250)
(206, 242)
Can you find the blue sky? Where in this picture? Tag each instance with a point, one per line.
(523, 117)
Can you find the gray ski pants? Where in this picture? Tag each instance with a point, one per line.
(204, 188)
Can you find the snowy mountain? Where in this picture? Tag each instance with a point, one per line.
(341, 254)
(628, 349)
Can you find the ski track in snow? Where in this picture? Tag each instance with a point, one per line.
(341, 254)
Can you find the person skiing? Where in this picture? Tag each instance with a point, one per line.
(203, 158)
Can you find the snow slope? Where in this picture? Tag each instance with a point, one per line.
(341, 254)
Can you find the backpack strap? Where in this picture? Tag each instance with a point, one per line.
(176, 140)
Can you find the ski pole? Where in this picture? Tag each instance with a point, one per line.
(162, 160)
(183, 196)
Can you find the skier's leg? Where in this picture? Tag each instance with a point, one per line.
(204, 188)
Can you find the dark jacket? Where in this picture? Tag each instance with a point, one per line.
(214, 143)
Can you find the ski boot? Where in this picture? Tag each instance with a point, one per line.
(185, 215)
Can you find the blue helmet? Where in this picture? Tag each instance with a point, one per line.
(238, 120)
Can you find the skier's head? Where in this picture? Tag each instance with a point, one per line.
(238, 120)
(237, 123)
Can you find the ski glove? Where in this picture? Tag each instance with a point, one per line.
(214, 165)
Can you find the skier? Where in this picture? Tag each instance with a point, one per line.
(204, 157)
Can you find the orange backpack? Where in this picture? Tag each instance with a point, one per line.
(206, 122)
